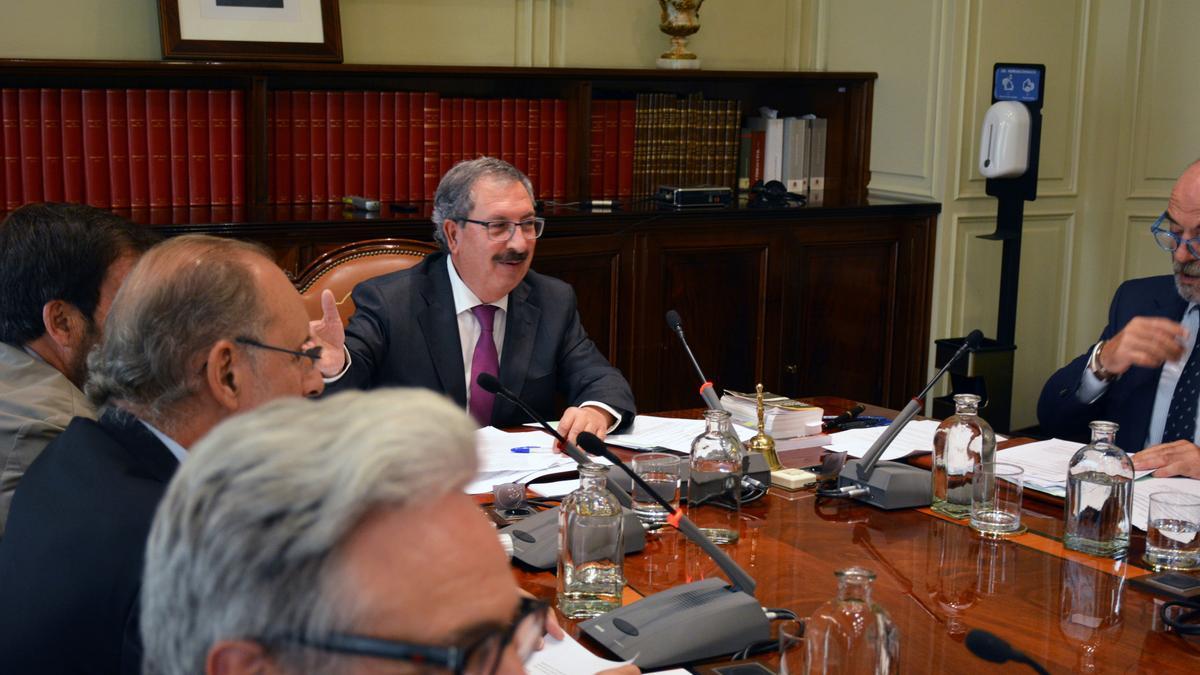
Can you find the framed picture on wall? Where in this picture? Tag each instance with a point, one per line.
(251, 30)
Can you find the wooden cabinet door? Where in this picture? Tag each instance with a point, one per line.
(727, 285)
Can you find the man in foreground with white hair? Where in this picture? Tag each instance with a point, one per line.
(290, 544)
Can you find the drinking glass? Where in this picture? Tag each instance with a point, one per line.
(1173, 531)
(661, 472)
(996, 498)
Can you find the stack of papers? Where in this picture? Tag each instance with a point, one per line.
(648, 432)
(782, 417)
(916, 437)
(1045, 464)
(568, 657)
(1148, 486)
(498, 462)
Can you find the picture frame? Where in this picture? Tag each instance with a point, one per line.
(251, 30)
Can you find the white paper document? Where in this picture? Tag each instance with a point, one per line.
(1045, 464)
(568, 657)
(648, 432)
(498, 463)
(1148, 486)
(916, 437)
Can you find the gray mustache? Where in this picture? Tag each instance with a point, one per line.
(517, 257)
(1191, 269)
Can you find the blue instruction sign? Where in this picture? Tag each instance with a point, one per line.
(1017, 84)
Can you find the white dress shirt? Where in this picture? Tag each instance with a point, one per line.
(176, 449)
(1092, 388)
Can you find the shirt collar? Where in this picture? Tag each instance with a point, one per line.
(464, 299)
(176, 449)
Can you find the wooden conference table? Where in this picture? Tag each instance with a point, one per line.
(937, 579)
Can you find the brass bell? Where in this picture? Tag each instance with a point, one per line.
(761, 442)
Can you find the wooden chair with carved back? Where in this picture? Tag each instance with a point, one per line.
(343, 268)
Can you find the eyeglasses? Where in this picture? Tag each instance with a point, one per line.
(1169, 241)
(503, 230)
(313, 353)
(481, 657)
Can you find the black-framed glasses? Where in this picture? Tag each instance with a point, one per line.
(481, 657)
(1170, 241)
(313, 353)
(503, 230)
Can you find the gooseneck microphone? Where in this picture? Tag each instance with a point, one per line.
(989, 647)
(895, 485)
(712, 402)
(691, 622)
(535, 539)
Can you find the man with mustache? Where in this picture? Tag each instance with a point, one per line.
(1144, 373)
(475, 308)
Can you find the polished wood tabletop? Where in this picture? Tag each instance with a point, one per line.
(937, 579)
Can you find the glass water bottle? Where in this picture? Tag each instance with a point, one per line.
(715, 483)
(591, 550)
(1099, 496)
(961, 441)
(851, 634)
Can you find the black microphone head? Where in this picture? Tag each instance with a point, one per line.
(489, 383)
(673, 320)
(974, 339)
(988, 647)
(592, 444)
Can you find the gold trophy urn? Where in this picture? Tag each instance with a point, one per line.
(679, 19)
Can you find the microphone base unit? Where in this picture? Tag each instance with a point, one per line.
(535, 539)
(693, 622)
(757, 469)
(890, 486)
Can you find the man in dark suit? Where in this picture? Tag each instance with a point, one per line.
(1144, 373)
(202, 328)
(478, 308)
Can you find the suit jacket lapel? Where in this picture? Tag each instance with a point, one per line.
(439, 325)
(519, 333)
(145, 449)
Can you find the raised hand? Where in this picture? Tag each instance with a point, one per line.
(1144, 341)
(329, 333)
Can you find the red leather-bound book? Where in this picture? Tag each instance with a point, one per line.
(468, 128)
(534, 145)
(318, 143)
(72, 143)
(560, 149)
(493, 128)
(95, 149)
(627, 132)
(118, 148)
(457, 122)
(177, 118)
(432, 110)
(272, 148)
(28, 106)
(237, 147)
(283, 147)
(52, 162)
(481, 127)
(9, 112)
(521, 135)
(370, 157)
(219, 170)
(416, 146)
(596, 149)
(301, 161)
(508, 130)
(139, 162)
(335, 144)
(199, 171)
(546, 138)
(353, 125)
(387, 146)
(445, 133)
(402, 147)
(612, 142)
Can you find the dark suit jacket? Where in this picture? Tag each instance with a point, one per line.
(404, 333)
(71, 560)
(1129, 400)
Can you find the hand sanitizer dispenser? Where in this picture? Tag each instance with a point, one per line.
(1004, 143)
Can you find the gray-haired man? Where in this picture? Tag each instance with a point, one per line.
(287, 544)
(202, 328)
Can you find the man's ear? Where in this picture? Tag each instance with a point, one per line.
(450, 231)
(238, 657)
(221, 376)
(64, 323)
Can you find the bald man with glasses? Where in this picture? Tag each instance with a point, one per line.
(477, 307)
(1144, 372)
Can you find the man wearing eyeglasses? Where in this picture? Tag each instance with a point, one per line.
(1144, 373)
(478, 308)
(203, 328)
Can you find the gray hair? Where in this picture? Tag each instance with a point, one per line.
(454, 199)
(181, 297)
(244, 544)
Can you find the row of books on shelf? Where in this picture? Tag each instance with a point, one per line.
(790, 150)
(396, 146)
(120, 148)
(684, 141)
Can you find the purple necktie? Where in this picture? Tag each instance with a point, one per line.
(485, 360)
